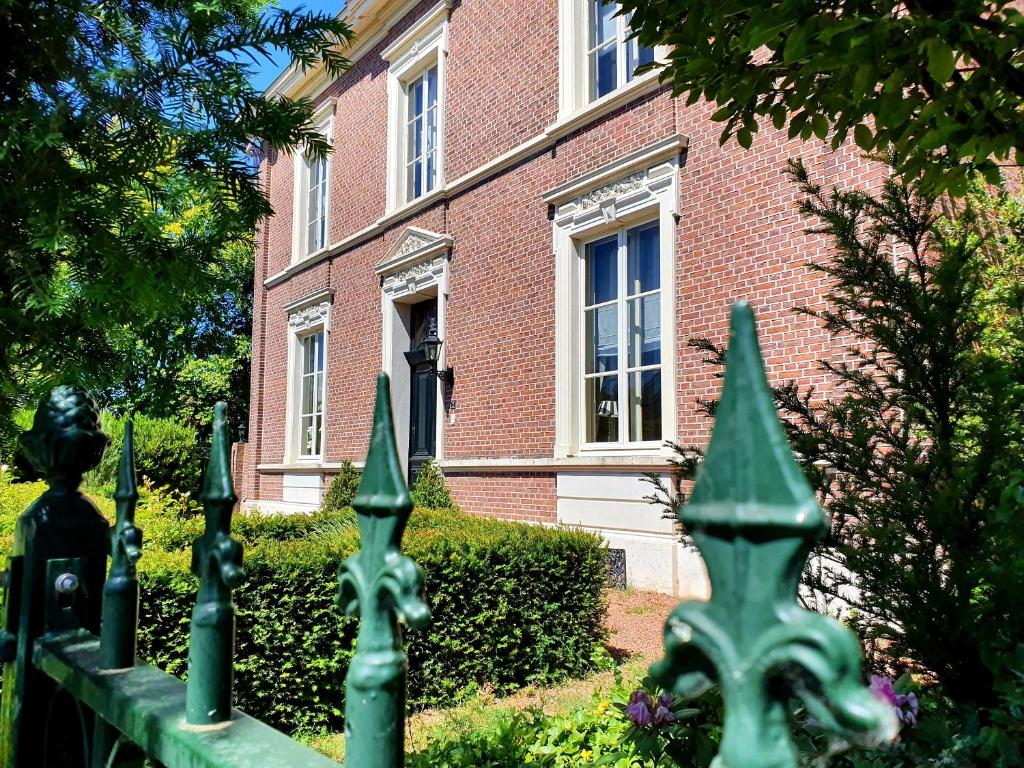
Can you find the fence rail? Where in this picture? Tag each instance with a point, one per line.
(74, 695)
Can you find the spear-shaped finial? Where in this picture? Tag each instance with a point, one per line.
(121, 590)
(380, 585)
(749, 476)
(383, 490)
(217, 561)
(119, 629)
(755, 519)
(217, 484)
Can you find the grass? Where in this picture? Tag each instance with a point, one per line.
(484, 710)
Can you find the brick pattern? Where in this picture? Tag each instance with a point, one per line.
(739, 236)
(528, 497)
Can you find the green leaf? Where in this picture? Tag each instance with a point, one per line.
(863, 137)
(941, 59)
(819, 124)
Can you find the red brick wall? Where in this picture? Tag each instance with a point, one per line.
(528, 497)
(738, 236)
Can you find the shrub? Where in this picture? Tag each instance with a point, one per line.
(429, 488)
(15, 498)
(917, 452)
(599, 732)
(342, 489)
(511, 604)
(167, 451)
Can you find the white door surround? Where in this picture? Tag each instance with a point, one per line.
(415, 269)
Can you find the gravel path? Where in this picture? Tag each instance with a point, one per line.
(636, 622)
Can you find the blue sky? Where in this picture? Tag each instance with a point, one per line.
(268, 70)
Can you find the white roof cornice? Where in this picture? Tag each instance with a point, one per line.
(370, 20)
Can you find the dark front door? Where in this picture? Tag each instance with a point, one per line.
(423, 400)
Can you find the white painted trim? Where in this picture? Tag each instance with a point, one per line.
(610, 198)
(317, 297)
(414, 245)
(418, 33)
(306, 468)
(653, 463)
(267, 507)
(406, 276)
(323, 120)
(445, 192)
(306, 316)
(574, 101)
(424, 45)
(668, 147)
(370, 20)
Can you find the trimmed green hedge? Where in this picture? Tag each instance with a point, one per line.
(512, 604)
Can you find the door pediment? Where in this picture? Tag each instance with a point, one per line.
(413, 246)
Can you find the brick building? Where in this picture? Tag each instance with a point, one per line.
(502, 183)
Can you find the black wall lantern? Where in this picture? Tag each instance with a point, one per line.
(429, 351)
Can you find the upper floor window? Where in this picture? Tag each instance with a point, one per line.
(316, 205)
(622, 337)
(613, 56)
(311, 225)
(597, 55)
(421, 134)
(416, 82)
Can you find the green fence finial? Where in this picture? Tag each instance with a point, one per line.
(217, 561)
(755, 518)
(119, 630)
(380, 585)
(121, 590)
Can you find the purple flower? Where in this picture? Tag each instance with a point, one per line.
(639, 709)
(663, 712)
(906, 705)
(883, 690)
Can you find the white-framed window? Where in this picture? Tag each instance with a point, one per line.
(614, 233)
(621, 338)
(613, 56)
(311, 227)
(597, 57)
(305, 423)
(421, 133)
(416, 87)
(316, 205)
(311, 395)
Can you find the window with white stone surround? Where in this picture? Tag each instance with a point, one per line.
(621, 344)
(416, 82)
(598, 58)
(614, 245)
(612, 55)
(308, 329)
(312, 193)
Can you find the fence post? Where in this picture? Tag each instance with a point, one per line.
(755, 518)
(61, 544)
(119, 631)
(217, 561)
(380, 585)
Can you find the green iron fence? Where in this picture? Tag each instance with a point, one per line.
(75, 695)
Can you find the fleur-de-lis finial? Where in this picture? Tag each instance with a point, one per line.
(380, 585)
(754, 518)
(217, 561)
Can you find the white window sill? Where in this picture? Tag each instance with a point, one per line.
(313, 255)
(608, 103)
(412, 206)
(301, 467)
(635, 462)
